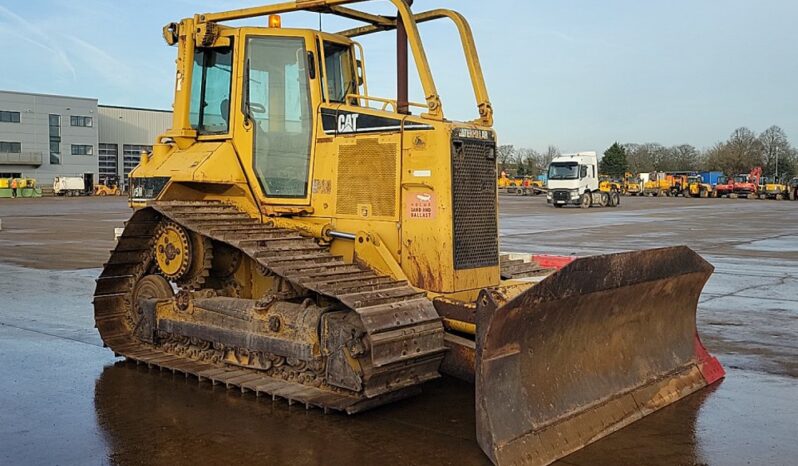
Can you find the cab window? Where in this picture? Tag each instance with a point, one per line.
(340, 71)
(279, 107)
(210, 90)
(582, 171)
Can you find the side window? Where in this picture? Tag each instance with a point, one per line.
(340, 71)
(582, 171)
(210, 90)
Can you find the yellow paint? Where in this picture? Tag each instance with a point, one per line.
(392, 187)
(170, 252)
(460, 326)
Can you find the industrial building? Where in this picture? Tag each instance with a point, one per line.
(124, 132)
(44, 136)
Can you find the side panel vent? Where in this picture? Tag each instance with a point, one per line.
(367, 176)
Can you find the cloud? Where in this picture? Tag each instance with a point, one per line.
(103, 63)
(22, 29)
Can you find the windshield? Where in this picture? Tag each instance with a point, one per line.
(694, 179)
(723, 179)
(741, 179)
(563, 171)
(210, 90)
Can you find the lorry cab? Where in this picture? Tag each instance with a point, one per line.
(570, 176)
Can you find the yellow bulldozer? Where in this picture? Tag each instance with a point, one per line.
(295, 236)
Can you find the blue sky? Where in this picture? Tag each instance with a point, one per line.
(577, 74)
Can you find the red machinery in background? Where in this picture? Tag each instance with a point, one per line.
(747, 185)
(724, 187)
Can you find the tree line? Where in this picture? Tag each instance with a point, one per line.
(742, 151)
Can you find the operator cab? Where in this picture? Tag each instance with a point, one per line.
(280, 91)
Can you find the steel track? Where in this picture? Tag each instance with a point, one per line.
(404, 332)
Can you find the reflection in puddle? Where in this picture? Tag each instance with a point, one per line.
(153, 417)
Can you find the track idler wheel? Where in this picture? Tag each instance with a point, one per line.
(148, 287)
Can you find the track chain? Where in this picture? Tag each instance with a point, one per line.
(405, 334)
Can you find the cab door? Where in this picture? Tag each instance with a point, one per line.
(278, 112)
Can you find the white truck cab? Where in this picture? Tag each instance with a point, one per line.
(573, 180)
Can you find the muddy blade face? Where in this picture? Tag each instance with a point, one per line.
(596, 346)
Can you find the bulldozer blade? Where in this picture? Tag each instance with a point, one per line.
(597, 345)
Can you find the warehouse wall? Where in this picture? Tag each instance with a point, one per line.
(35, 158)
(124, 133)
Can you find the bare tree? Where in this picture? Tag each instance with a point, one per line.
(504, 156)
(739, 154)
(551, 153)
(527, 162)
(683, 157)
(634, 156)
(745, 150)
(778, 155)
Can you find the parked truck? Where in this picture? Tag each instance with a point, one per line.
(573, 180)
(710, 177)
(68, 186)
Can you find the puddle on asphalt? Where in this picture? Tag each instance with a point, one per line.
(780, 244)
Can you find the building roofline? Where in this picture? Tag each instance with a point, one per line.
(124, 107)
(38, 94)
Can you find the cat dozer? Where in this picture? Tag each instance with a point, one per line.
(296, 237)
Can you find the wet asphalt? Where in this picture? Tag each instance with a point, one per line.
(66, 400)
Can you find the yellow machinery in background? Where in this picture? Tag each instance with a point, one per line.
(294, 235)
(504, 181)
(108, 186)
(658, 187)
(697, 188)
(26, 187)
(771, 188)
(680, 184)
(633, 185)
(606, 184)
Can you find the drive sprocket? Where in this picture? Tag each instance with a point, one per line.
(182, 256)
(172, 250)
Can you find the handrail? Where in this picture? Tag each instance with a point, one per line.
(435, 110)
(385, 101)
(469, 49)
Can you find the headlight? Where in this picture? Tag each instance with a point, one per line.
(147, 188)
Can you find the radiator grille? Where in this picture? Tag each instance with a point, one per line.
(561, 195)
(476, 242)
(367, 175)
